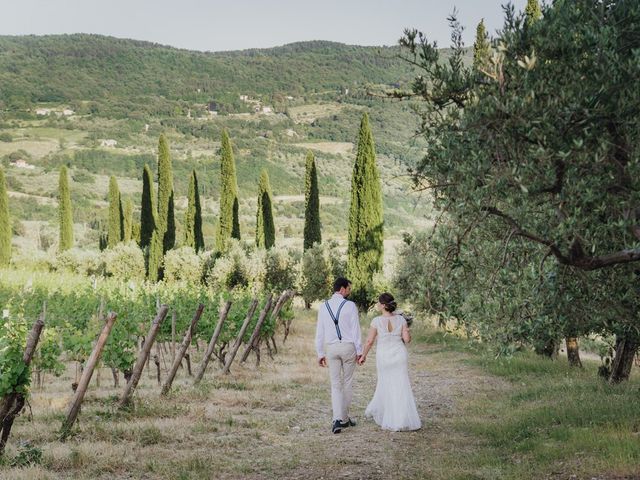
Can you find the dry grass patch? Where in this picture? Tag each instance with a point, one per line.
(336, 148)
(308, 113)
(36, 148)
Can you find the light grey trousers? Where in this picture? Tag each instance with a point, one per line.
(341, 358)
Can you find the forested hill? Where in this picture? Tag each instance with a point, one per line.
(94, 68)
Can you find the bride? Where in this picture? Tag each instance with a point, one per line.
(393, 406)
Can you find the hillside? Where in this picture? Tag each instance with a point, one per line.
(98, 104)
(103, 70)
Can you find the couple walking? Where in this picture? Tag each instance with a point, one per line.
(393, 406)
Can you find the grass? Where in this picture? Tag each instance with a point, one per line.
(553, 418)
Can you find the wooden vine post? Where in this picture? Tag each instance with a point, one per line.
(142, 357)
(186, 341)
(256, 331)
(94, 358)
(238, 342)
(12, 404)
(212, 343)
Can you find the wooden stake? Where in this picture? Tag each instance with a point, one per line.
(256, 331)
(183, 348)
(74, 407)
(173, 336)
(142, 357)
(212, 343)
(243, 329)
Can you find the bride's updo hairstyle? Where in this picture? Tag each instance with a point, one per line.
(388, 301)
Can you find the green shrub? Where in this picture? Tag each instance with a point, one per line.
(77, 261)
(183, 264)
(230, 270)
(256, 265)
(18, 228)
(209, 261)
(414, 279)
(31, 261)
(28, 455)
(281, 267)
(125, 262)
(82, 176)
(320, 266)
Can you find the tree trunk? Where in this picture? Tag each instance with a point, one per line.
(156, 361)
(187, 357)
(626, 348)
(282, 300)
(116, 377)
(7, 422)
(12, 404)
(573, 352)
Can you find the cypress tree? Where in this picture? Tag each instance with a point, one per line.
(193, 218)
(312, 233)
(115, 213)
(365, 248)
(147, 208)
(265, 227)
(127, 221)
(481, 47)
(165, 220)
(533, 13)
(229, 223)
(154, 262)
(5, 223)
(135, 232)
(65, 214)
(102, 241)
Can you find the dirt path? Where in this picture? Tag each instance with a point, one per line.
(440, 382)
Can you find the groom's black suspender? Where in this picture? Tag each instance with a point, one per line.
(336, 317)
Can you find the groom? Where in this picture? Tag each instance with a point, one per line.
(338, 326)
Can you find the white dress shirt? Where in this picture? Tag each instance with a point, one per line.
(348, 322)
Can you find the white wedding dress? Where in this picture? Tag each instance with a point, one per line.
(393, 406)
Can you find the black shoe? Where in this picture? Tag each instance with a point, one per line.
(337, 426)
(348, 423)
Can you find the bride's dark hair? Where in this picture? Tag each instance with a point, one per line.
(388, 301)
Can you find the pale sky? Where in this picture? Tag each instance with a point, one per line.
(214, 25)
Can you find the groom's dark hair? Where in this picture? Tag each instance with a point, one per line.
(340, 282)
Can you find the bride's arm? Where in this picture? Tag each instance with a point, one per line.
(371, 337)
(406, 335)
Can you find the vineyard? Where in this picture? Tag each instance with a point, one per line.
(74, 311)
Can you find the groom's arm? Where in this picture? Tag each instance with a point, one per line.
(357, 333)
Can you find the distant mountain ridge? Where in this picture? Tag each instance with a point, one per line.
(87, 67)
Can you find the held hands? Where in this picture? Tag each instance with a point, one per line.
(360, 359)
(322, 361)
